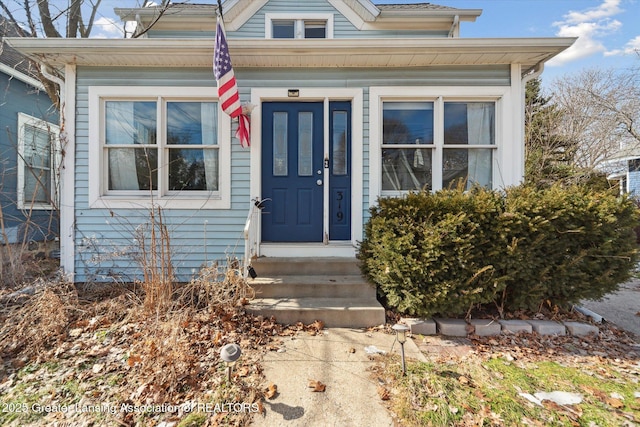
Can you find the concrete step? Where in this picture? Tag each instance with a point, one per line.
(334, 312)
(312, 286)
(287, 266)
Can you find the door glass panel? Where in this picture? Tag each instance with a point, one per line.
(280, 154)
(305, 143)
(339, 143)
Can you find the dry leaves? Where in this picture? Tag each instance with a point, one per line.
(133, 359)
(615, 403)
(383, 393)
(317, 386)
(271, 391)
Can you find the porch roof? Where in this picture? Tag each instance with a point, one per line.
(328, 53)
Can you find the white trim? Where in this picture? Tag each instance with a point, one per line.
(506, 168)
(243, 15)
(21, 76)
(299, 18)
(98, 197)
(514, 129)
(308, 250)
(348, 12)
(27, 120)
(260, 95)
(390, 52)
(68, 172)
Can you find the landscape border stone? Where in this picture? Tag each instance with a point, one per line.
(486, 327)
(489, 327)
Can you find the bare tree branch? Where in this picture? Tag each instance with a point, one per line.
(46, 20)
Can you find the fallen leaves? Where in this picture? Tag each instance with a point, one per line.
(317, 386)
(271, 391)
(614, 403)
(383, 393)
(133, 359)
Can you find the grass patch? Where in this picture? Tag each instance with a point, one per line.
(487, 392)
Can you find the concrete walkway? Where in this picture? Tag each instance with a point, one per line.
(620, 307)
(338, 359)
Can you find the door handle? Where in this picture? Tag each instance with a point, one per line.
(319, 182)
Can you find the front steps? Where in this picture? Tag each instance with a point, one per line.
(309, 289)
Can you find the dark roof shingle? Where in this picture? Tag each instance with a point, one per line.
(413, 6)
(9, 56)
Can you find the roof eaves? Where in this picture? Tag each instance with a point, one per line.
(12, 72)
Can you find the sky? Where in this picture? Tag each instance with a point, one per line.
(608, 31)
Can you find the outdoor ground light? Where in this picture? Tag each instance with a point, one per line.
(230, 353)
(401, 336)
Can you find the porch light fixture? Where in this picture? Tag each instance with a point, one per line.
(401, 337)
(230, 353)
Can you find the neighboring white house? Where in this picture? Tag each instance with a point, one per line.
(351, 102)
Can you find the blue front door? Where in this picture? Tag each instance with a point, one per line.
(292, 171)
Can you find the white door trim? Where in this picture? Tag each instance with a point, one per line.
(355, 95)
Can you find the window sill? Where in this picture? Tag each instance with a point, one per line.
(114, 202)
(35, 207)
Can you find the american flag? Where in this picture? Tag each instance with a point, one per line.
(227, 87)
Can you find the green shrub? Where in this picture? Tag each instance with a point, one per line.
(445, 252)
(570, 243)
(428, 253)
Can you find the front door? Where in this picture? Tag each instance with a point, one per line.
(292, 171)
(306, 186)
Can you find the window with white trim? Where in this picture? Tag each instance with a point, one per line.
(436, 143)
(171, 147)
(37, 160)
(298, 26)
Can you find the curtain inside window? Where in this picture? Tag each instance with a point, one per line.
(37, 167)
(480, 131)
(208, 123)
(122, 161)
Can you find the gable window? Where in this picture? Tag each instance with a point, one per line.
(170, 148)
(434, 142)
(292, 26)
(37, 159)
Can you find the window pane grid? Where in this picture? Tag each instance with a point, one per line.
(175, 152)
(457, 138)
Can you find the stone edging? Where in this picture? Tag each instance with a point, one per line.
(489, 327)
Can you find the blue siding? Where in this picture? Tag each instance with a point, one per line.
(105, 247)
(19, 97)
(342, 27)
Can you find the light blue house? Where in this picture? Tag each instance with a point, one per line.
(351, 101)
(28, 151)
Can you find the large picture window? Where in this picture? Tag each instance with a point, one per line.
(437, 138)
(37, 160)
(167, 147)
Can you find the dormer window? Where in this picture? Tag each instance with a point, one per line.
(305, 26)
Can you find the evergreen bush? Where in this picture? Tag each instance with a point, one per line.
(444, 252)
